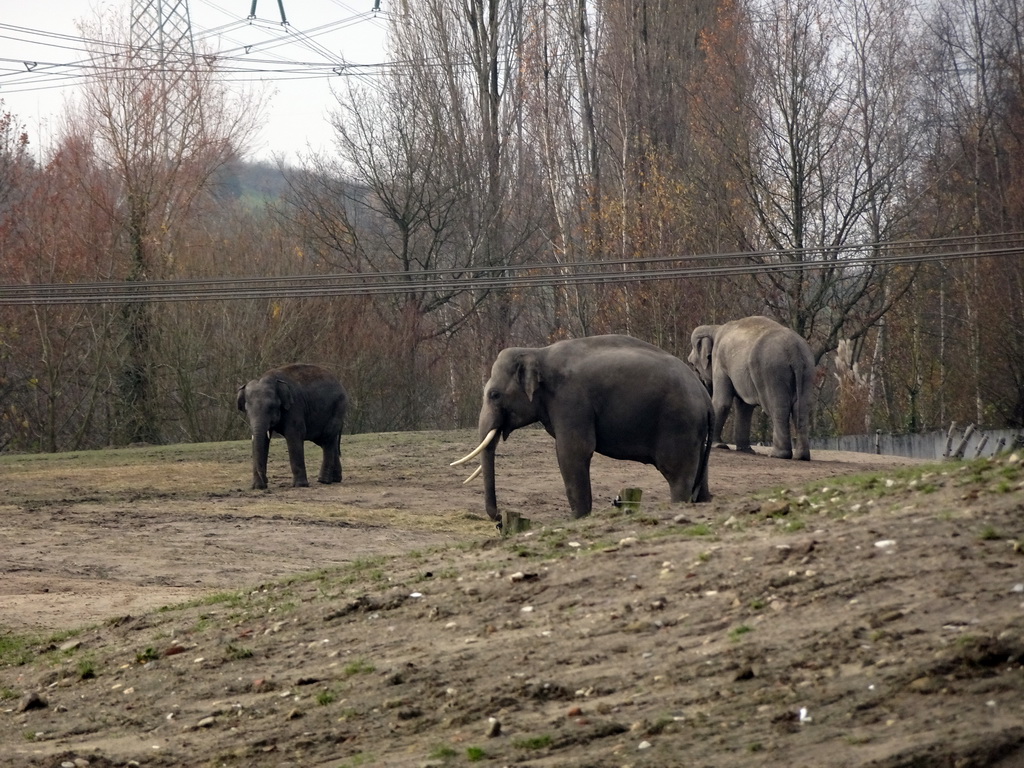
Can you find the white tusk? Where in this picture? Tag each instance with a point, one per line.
(474, 476)
(268, 434)
(478, 450)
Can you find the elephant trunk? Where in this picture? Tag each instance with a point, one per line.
(260, 451)
(487, 466)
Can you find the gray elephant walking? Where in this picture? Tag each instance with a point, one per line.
(301, 402)
(613, 395)
(754, 362)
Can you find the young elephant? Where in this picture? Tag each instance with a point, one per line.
(301, 402)
(614, 395)
(757, 362)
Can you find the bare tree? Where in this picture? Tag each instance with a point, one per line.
(160, 170)
(822, 159)
(977, 103)
(560, 114)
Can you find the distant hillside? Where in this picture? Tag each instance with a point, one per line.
(255, 182)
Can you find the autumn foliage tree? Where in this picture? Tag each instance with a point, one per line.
(527, 173)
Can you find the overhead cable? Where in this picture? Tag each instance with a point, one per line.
(506, 277)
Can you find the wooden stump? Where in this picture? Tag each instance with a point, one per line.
(513, 522)
(629, 499)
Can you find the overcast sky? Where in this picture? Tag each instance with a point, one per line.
(41, 57)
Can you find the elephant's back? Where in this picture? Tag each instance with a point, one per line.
(636, 372)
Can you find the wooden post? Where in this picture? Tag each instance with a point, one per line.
(629, 499)
(512, 522)
(960, 449)
(949, 440)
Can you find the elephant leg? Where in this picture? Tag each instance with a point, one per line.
(741, 430)
(297, 458)
(722, 407)
(330, 469)
(782, 444)
(802, 428)
(574, 464)
(681, 472)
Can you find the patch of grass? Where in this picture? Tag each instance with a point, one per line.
(149, 654)
(475, 754)
(15, 650)
(8, 694)
(229, 599)
(522, 550)
(533, 742)
(367, 569)
(443, 752)
(700, 529)
(737, 632)
(322, 575)
(57, 638)
(555, 536)
(358, 667)
(236, 652)
(86, 669)
(990, 533)
(325, 697)
(870, 487)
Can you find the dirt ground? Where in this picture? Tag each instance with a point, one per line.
(811, 615)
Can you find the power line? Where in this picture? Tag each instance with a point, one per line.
(854, 259)
(24, 75)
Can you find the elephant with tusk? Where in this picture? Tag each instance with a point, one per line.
(614, 395)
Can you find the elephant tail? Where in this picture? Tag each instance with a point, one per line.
(803, 381)
(702, 468)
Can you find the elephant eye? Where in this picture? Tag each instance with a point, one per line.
(494, 395)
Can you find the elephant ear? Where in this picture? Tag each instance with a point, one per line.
(529, 375)
(241, 398)
(285, 393)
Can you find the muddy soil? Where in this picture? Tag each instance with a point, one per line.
(384, 621)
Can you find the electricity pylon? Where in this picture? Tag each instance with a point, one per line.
(161, 43)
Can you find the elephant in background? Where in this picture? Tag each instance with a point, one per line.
(301, 402)
(613, 395)
(752, 362)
